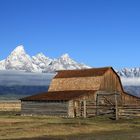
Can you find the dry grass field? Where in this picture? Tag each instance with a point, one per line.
(54, 128)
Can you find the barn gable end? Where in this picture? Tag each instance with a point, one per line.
(80, 83)
(111, 82)
(87, 79)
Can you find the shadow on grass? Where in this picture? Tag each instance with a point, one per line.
(40, 138)
(111, 135)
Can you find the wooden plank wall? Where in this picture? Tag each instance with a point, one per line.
(79, 83)
(128, 99)
(89, 101)
(110, 82)
(44, 108)
(90, 108)
(71, 109)
(76, 108)
(10, 106)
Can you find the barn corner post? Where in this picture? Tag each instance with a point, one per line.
(116, 106)
(97, 104)
(85, 109)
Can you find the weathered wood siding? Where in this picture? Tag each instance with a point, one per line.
(130, 100)
(90, 108)
(110, 82)
(44, 108)
(71, 109)
(10, 106)
(79, 83)
(76, 106)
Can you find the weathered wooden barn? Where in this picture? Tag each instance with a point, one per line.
(80, 93)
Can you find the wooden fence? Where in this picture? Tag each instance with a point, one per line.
(129, 111)
(125, 111)
(97, 110)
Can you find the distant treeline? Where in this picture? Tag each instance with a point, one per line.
(16, 92)
(134, 90)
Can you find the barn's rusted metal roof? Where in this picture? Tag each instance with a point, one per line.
(82, 72)
(58, 95)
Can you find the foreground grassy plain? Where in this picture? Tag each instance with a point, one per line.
(55, 128)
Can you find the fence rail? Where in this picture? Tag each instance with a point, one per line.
(129, 111)
(125, 111)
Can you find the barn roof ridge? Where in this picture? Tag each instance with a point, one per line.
(82, 72)
(92, 68)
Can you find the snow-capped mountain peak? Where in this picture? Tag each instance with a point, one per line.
(65, 59)
(129, 72)
(41, 61)
(40, 55)
(64, 62)
(18, 50)
(65, 56)
(20, 60)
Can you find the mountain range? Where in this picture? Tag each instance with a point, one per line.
(20, 60)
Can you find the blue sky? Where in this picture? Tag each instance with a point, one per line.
(95, 32)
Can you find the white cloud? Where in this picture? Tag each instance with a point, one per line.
(9, 78)
(130, 81)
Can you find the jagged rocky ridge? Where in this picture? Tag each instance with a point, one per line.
(129, 72)
(20, 60)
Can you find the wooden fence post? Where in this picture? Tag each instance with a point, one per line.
(85, 111)
(116, 107)
(97, 103)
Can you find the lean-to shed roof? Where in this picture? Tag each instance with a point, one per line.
(58, 95)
